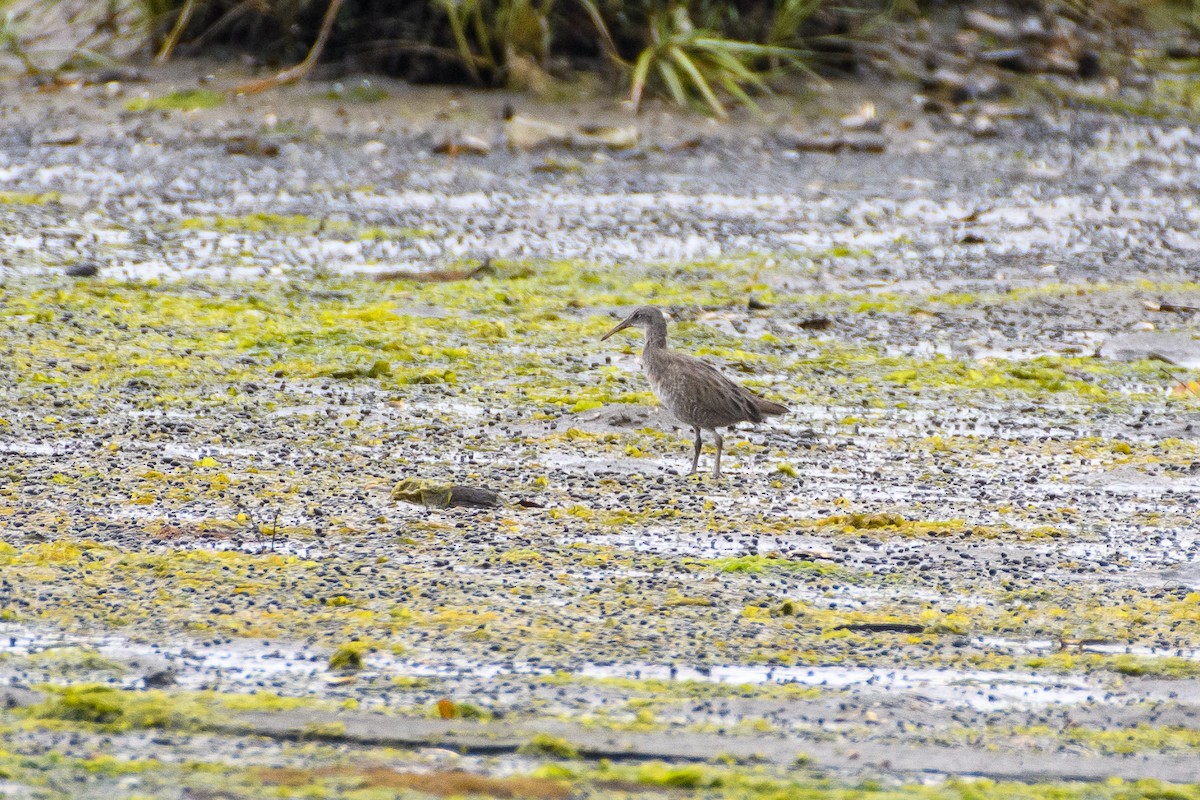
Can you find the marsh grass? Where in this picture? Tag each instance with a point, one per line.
(699, 53)
(692, 61)
(706, 54)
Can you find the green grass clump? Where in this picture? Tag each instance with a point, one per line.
(185, 100)
(892, 523)
(543, 744)
(1125, 741)
(756, 783)
(1123, 664)
(696, 54)
(349, 657)
(116, 710)
(68, 660)
(674, 776)
(1169, 667)
(690, 61)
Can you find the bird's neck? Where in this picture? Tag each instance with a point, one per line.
(656, 336)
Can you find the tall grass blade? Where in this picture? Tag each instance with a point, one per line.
(698, 80)
(674, 84)
(168, 45)
(610, 47)
(638, 81)
(482, 33)
(737, 91)
(458, 31)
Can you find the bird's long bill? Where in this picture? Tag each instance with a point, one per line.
(624, 324)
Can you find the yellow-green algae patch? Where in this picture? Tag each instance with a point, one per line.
(84, 354)
(322, 771)
(192, 347)
(757, 564)
(1123, 663)
(28, 198)
(183, 100)
(262, 222)
(107, 708)
(1141, 738)
(69, 661)
(762, 782)
(276, 595)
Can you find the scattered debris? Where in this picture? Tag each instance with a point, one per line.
(957, 88)
(855, 142)
(438, 783)
(864, 119)
(882, 627)
(463, 145)
(251, 145)
(815, 324)
(116, 74)
(982, 126)
(443, 495)
(377, 369)
(553, 164)
(526, 133)
(822, 143)
(84, 269)
(985, 23)
(446, 708)
(159, 679)
(605, 136)
(864, 142)
(60, 138)
(1169, 308)
(437, 275)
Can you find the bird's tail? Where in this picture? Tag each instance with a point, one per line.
(768, 408)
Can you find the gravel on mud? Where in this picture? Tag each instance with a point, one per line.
(970, 550)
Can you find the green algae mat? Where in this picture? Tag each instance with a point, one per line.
(963, 566)
(198, 497)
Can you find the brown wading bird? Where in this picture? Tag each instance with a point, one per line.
(695, 392)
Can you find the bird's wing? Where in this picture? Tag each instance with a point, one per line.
(719, 392)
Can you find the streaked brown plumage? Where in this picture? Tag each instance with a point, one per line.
(695, 392)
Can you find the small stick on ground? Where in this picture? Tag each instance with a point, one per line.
(301, 70)
(435, 275)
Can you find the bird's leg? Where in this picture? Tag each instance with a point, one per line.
(717, 463)
(696, 454)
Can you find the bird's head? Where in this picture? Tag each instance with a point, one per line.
(644, 317)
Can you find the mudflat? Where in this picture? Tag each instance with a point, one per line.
(969, 551)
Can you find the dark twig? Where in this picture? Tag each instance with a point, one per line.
(301, 70)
